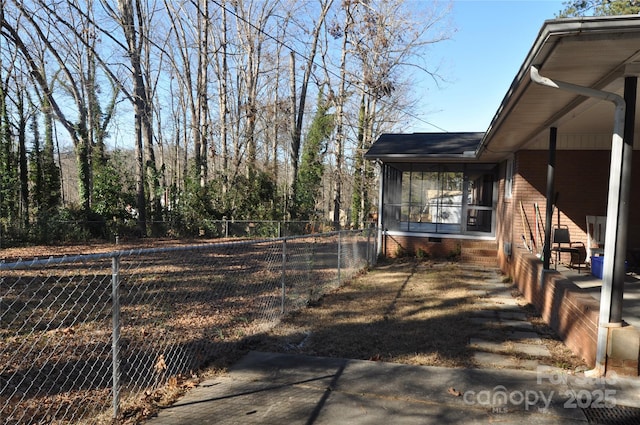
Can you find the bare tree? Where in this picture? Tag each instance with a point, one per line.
(252, 20)
(221, 67)
(36, 60)
(135, 21)
(191, 44)
(298, 111)
(55, 40)
(277, 106)
(392, 40)
(340, 100)
(204, 29)
(380, 42)
(238, 77)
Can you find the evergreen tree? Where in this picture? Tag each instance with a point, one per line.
(360, 203)
(575, 8)
(8, 165)
(312, 164)
(51, 181)
(44, 173)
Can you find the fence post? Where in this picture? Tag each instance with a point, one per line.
(226, 228)
(339, 253)
(376, 247)
(368, 252)
(284, 272)
(115, 343)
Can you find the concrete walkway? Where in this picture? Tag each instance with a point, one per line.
(512, 383)
(270, 388)
(505, 339)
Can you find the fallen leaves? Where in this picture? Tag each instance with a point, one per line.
(160, 365)
(454, 392)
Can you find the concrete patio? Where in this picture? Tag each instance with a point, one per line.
(631, 301)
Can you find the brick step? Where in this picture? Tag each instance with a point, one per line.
(475, 244)
(479, 252)
(480, 261)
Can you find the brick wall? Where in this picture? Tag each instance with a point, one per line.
(479, 252)
(504, 221)
(444, 248)
(581, 180)
(566, 308)
(581, 191)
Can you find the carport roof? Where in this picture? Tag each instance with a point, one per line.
(416, 146)
(594, 52)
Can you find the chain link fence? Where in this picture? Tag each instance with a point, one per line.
(84, 338)
(46, 231)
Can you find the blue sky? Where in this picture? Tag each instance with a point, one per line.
(480, 61)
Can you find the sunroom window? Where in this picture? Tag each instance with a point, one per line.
(439, 198)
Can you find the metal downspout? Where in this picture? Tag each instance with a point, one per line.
(613, 208)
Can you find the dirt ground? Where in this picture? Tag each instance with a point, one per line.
(93, 247)
(402, 311)
(408, 311)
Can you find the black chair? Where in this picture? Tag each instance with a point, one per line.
(562, 243)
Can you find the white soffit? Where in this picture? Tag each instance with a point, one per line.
(591, 52)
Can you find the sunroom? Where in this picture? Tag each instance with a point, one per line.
(432, 188)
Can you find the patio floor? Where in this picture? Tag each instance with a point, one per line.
(631, 300)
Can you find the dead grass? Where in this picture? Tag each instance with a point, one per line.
(408, 312)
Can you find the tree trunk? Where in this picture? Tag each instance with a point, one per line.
(295, 132)
(202, 88)
(223, 99)
(339, 142)
(22, 162)
(140, 108)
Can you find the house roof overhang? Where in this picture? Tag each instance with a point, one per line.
(594, 52)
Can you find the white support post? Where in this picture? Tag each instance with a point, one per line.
(617, 212)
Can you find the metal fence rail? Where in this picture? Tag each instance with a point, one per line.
(46, 231)
(84, 338)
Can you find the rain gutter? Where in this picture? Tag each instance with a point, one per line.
(411, 157)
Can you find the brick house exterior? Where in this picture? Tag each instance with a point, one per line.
(518, 145)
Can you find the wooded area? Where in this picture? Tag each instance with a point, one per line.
(172, 112)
